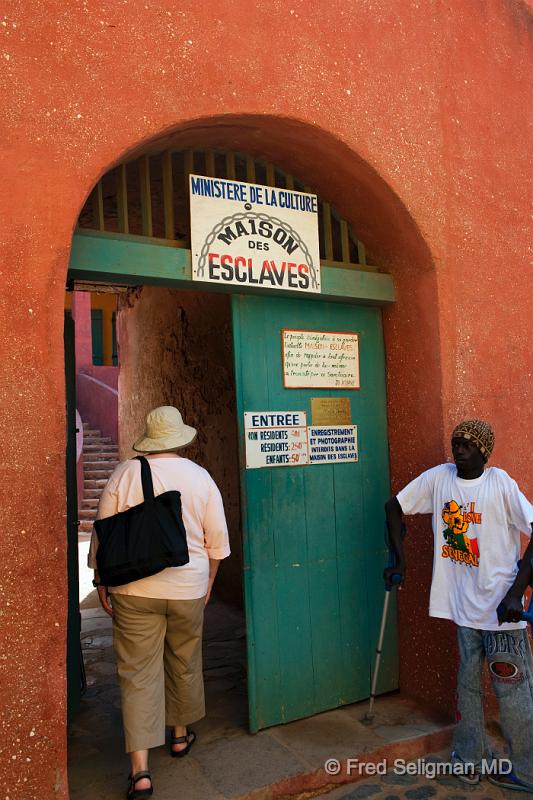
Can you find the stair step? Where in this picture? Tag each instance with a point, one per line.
(101, 458)
(92, 494)
(85, 526)
(91, 432)
(94, 483)
(89, 502)
(107, 450)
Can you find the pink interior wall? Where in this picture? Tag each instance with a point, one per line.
(408, 116)
(97, 398)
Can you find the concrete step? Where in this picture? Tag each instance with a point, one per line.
(87, 513)
(100, 463)
(92, 439)
(91, 432)
(104, 449)
(92, 494)
(94, 483)
(100, 458)
(90, 474)
(85, 526)
(89, 502)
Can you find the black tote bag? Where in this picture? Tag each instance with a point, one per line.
(143, 540)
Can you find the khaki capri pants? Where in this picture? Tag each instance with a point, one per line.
(158, 647)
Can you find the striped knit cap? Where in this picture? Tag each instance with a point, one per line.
(479, 432)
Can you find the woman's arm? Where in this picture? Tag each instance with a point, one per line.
(510, 608)
(213, 569)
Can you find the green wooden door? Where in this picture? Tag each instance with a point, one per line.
(313, 535)
(97, 334)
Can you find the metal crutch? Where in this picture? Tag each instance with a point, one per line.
(395, 580)
(528, 615)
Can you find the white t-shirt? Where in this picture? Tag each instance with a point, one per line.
(203, 518)
(476, 527)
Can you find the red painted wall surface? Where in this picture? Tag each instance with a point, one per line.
(409, 116)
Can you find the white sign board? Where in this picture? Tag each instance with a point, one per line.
(320, 360)
(332, 444)
(275, 438)
(244, 234)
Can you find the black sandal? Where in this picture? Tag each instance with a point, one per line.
(136, 794)
(190, 738)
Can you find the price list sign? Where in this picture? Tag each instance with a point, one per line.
(275, 439)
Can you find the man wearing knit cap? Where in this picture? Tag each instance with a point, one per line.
(478, 513)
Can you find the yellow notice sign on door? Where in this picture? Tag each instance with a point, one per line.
(331, 411)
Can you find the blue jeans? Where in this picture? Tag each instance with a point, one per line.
(510, 663)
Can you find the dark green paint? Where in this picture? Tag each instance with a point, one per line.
(131, 260)
(313, 535)
(114, 354)
(97, 336)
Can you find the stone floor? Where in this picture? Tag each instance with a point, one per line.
(411, 787)
(227, 762)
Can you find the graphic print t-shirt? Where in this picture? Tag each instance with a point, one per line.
(476, 527)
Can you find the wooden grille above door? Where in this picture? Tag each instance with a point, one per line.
(150, 197)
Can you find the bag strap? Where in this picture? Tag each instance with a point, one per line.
(146, 478)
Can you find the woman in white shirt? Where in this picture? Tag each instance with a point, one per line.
(158, 620)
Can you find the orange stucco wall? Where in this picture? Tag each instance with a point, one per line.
(409, 116)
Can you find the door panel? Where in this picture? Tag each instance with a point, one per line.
(312, 535)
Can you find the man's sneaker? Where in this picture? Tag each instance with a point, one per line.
(510, 781)
(471, 774)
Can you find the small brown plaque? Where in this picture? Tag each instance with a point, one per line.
(331, 411)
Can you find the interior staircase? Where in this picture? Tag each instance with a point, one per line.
(100, 457)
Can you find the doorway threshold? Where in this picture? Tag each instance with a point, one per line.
(227, 763)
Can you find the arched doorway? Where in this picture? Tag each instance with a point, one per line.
(312, 539)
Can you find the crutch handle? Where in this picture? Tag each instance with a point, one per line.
(527, 616)
(396, 577)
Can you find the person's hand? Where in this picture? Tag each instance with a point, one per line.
(208, 595)
(105, 599)
(389, 572)
(510, 609)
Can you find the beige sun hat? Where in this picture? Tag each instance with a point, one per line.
(165, 430)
